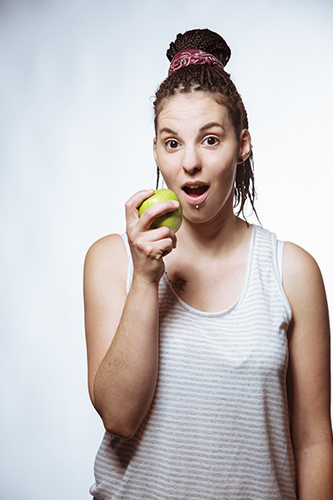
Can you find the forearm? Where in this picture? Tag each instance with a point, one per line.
(315, 471)
(126, 380)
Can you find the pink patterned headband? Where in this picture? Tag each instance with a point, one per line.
(192, 56)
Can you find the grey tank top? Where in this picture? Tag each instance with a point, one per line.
(218, 427)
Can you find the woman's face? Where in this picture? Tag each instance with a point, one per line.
(197, 150)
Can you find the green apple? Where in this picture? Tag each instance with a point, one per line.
(172, 219)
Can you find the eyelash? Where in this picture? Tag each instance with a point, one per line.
(216, 140)
(168, 143)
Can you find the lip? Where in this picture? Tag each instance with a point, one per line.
(195, 198)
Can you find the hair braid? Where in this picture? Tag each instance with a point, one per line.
(200, 39)
(217, 81)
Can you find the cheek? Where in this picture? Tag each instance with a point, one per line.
(225, 182)
(167, 163)
(226, 171)
(160, 155)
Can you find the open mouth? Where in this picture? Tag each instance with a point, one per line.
(196, 190)
(195, 194)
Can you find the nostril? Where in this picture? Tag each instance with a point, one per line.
(191, 163)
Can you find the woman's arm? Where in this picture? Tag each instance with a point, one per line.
(309, 386)
(121, 330)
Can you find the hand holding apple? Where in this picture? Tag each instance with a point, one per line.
(172, 219)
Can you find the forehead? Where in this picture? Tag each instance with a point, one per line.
(195, 109)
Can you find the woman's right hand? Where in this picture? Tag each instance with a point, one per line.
(149, 246)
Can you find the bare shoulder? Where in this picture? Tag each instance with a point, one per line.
(302, 278)
(105, 272)
(108, 245)
(107, 256)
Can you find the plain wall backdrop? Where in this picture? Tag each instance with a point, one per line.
(76, 86)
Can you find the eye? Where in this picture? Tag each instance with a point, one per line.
(211, 140)
(171, 144)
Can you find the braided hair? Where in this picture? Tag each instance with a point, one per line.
(213, 79)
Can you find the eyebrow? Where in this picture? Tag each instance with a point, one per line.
(168, 131)
(209, 125)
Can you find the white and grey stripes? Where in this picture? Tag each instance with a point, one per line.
(218, 427)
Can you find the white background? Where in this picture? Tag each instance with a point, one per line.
(76, 82)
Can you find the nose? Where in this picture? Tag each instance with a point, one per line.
(191, 160)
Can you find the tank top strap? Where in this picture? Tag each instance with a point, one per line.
(268, 258)
(279, 250)
(130, 262)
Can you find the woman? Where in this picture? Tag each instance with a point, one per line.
(209, 352)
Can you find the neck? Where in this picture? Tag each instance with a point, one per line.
(212, 238)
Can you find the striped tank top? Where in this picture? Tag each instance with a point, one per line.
(218, 427)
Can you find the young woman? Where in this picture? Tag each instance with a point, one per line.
(209, 351)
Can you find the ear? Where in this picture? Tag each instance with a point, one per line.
(244, 145)
(154, 149)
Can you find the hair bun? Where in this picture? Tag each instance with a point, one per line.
(202, 39)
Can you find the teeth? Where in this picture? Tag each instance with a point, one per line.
(194, 187)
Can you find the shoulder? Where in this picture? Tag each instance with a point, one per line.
(111, 245)
(302, 278)
(106, 257)
(299, 266)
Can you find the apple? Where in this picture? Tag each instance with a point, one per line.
(172, 219)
